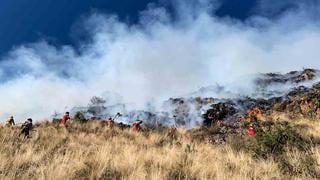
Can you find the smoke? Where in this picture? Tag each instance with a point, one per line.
(162, 56)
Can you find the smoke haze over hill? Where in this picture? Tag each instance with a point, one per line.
(158, 58)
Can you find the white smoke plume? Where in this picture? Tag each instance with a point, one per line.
(158, 58)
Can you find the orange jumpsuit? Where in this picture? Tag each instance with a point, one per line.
(64, 119)
(135, 127)
(250, 132)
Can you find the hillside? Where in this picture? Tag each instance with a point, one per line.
(95, 151)
(285, 144)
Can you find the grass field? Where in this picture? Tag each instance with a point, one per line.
(94, 151)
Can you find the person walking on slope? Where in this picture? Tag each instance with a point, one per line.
(25, 128)
(110, 122)
(10, 122)
(65, 118)
(136, 126)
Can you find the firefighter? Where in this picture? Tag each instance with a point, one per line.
(250, 131)
(10, 122)
(136, 126)
(65, 118)
(25, 128)
(110, 122)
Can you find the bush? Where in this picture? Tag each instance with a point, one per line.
(79, 117)
(278, 141)
(277, 138)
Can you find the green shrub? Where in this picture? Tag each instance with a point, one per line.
(277, 141)
(279, 136)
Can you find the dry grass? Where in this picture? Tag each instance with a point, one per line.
(309, 127)
(93, 151)
(312, 127)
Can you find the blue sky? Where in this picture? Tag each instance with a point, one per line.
(23, 21)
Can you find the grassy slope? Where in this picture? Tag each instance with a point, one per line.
(93, 151)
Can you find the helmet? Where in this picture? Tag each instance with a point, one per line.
(29, 119)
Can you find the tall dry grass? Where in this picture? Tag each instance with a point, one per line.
(94, 151)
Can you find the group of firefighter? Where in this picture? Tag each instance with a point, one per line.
(136, 126)
(26, 127)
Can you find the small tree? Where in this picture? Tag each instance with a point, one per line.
(97, 101)
(96, 105)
